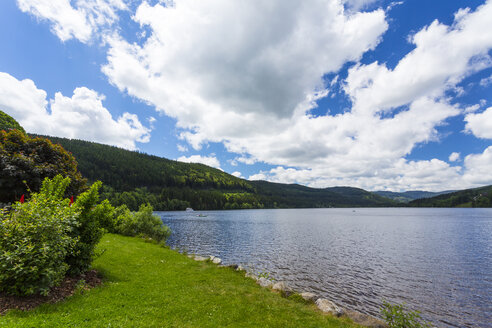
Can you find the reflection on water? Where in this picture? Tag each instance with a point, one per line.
(437, 261)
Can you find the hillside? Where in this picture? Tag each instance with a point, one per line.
(294, 195)
(133, 178)
(408, 196)
(476, 197)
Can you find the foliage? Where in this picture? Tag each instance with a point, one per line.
(141, 223)
(8, 123)
(397, 317)
(26, 161)
(35, 238)
(151, 286)
(88, 231)
(477, 197)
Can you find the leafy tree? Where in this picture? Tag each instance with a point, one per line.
(26, 161)
(8, 123)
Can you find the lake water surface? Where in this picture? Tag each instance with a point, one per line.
(437, 261)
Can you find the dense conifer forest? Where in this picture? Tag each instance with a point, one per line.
(133, 178)
(477, 197)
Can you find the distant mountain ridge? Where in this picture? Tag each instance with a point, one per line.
(132, 178)
(408, 196)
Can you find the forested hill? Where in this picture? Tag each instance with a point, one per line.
(126, 170)
(477, 197)
(134, 178)
(408, 196)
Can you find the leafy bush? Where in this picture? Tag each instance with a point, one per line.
(141, 223)
(88, 230)
(35, 238)
(106, 214)
(397, 317)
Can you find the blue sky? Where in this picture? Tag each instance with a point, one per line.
(381, 95)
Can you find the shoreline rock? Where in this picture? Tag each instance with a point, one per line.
(328, 306)
(264, 282)
(323, 304)
(365, 319)
(282, 287)
(308, 296)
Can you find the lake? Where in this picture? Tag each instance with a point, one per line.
(437, 261)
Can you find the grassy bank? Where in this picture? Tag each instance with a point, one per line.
(149, 286)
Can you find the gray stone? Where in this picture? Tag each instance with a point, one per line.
(200, 258)
(308, 296)
(251, 275)
(365, 320)
(328, 306)
(264, 282)
(240, 268)
(216, 260)
(282, 287)
(191, 256)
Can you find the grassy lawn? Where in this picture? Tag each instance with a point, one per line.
(149, 286)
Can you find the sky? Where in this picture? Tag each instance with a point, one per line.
(381, 95)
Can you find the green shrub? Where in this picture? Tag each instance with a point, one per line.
(141, 223)
(106, 214)
(35, 238)
(126, 222)
(88, 231)
(397, 317)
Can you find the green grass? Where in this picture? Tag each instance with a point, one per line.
(149, 286)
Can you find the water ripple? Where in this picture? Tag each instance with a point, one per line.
(437, 261)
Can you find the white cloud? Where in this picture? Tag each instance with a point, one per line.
(252, 86)
(82, 116)
(245, 160)
(486, 81)
(480, 124)
(471, 109)
(207, 160)
(454, 156)
(220, 62)
(237, 174)
(478, 171)
(442, 57)
(80, 22)
(182, 148)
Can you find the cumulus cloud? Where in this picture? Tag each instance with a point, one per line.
(80, 22)
(237, 174)
(81, 116)
(223, 62)
(442, 57)
(486, 81)
(454, 156)
(477, 171)
(207, 160)
(182, 148)
(480, 124)
(248, 76)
